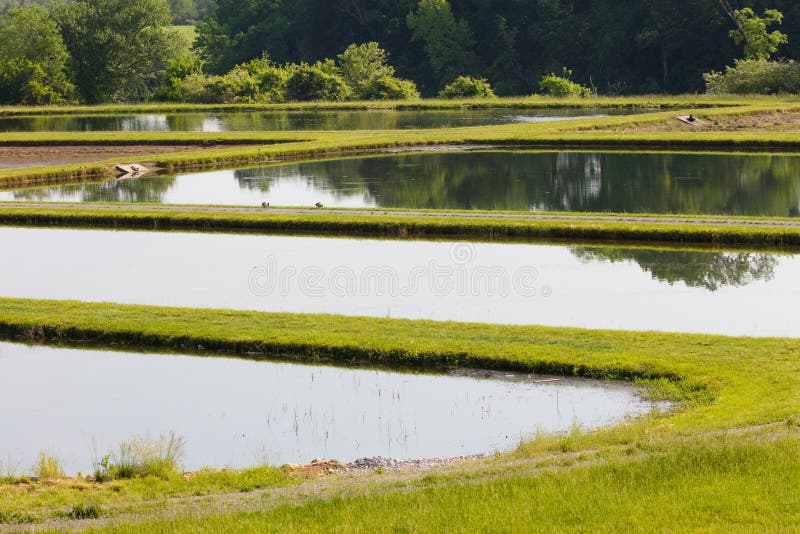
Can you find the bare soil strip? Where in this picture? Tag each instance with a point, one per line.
(14, 157)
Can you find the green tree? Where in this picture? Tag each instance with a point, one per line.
(33, 58)
(751, 32)
(119, 47)
(360, 64)
(448, 42)
(366, 70)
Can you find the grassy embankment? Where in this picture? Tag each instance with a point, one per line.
(383, 223)
(721, 383)
(532, 102)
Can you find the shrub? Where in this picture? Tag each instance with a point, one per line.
(48, 468)
(82, 511)
(561, 86)
(141, 457)
(467, 87)
(234, 87)
(389, 89)
(307, 83)
(271, 78)
(755, 76)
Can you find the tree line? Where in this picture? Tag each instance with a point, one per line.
(265, 50)
(615, 46)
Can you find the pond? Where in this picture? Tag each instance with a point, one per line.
(297, 120)
(632, 182)
(238, 413)
(628, 288)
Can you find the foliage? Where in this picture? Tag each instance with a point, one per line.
(448, 42)
(170, 87)
(311, 83)
(755, 76)
(33, 59)
(561, 86)
(190, 11)
(752, 33)
(389, 89)
(624, 46)
(118, 48)
(467, 87)
(365, 68)
(359, 64)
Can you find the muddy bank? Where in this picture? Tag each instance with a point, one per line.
(12, 157)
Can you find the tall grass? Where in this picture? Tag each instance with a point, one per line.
(141, 456)
(48, 467)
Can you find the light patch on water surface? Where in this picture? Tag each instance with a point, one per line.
(235, 412)
(593, 287)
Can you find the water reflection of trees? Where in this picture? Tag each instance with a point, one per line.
(656, 183)
(329, 176)
(709, 270)
(139, 190)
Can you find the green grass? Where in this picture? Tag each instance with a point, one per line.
(708, 486)
(387, 224)
(532, 102)
(188, 34)
(23, 500)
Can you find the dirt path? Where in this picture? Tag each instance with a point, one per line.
(549, 217)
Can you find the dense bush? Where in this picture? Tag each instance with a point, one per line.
(561, 86)
(311, 83)
(755, 76)
(389, 89)
(467, 87)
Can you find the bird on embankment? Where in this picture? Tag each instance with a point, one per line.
(318, 204)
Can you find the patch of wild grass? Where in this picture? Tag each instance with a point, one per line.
(48, 467)
(141, 456)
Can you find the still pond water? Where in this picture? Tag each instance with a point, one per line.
(296, 120)
(629, 288)
(720, 184)
(239, 413)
